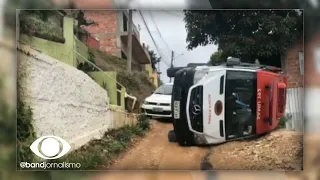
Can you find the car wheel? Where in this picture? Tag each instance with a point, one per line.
(172, 136)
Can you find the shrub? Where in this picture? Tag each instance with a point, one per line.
(144, 122)
(25, 133)
(35, 23)
(282, 123)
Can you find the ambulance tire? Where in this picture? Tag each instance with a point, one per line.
(171, 72)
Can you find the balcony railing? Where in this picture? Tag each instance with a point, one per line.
(134, 27)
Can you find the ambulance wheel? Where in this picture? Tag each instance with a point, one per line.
(172, 136)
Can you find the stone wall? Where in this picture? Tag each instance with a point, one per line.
(65, 101)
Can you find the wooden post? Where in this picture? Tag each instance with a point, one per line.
(171, 66)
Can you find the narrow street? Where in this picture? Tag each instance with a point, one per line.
(156, 152)
(280, 150)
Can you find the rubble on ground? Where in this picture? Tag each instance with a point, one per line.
(279, 150)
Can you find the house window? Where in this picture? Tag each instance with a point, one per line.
(125, 22)
(123, 55)
(301, 62)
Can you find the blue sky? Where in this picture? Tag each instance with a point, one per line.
(172, 36)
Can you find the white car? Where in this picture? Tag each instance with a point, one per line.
(158, 105)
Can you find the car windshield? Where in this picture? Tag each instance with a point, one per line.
(165, 89)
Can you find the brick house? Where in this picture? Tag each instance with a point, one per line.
(293, 66)
(110, 35)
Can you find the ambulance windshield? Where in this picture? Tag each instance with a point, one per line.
(240, 98)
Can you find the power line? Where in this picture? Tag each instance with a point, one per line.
(155, 24)
(159, 32)
(144, 21)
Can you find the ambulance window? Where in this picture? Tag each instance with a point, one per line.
(241, 85)
(221, 84)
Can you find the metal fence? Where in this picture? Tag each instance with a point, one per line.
(295, 109)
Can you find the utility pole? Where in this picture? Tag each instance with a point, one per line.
(171, 66)
(129, 58)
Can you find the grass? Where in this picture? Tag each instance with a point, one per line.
(136, 83)
(99, 154)
(33, 24)
(108, 62)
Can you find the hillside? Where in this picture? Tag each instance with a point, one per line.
(136, 83)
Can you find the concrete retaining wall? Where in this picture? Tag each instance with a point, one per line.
(66, 102)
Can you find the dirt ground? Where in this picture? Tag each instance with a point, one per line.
(280, 150)
(155, 152)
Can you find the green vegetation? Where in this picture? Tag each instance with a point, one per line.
(137, 83)
(108, 62)
(10, 119)
(217, 58)
(247, 34)
(25, 131)
(88, 66)
(311, 12)
(154, 58)
(99, 154)
(38, 23)
(282, 123)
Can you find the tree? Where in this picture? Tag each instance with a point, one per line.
(247, 34)
(311, 12)
(154, 58)
(12, 5)
(217, 58)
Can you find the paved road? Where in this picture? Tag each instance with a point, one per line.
(155, 152)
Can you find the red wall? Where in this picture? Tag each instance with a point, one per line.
(106, 23)
(93, 43)
(292, 66)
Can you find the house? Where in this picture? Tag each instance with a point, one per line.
(293, 65)
(109, 33)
